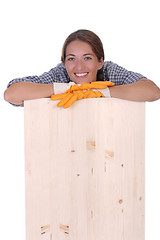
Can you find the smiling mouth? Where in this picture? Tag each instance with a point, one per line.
(81, 74)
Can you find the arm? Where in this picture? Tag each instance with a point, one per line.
(140, 91)
(33, 87)
(18, 92)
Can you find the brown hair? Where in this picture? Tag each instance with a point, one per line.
(92, 39)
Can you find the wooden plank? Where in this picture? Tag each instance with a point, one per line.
(85, 170)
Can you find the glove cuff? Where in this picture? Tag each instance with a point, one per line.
(61, 87)
(105, 92)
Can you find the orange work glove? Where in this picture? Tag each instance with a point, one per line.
(69, 98)
(92, 85)
(83, 91)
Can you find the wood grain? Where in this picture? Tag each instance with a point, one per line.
(85, 170)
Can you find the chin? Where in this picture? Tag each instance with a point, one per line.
(79, 81)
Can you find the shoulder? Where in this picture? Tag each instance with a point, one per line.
(111, 66)
(110, 72)
(108, 64)
(119, 75)
(60, 73)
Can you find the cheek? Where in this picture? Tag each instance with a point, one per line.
(93, 67)
(93, 70)
(69, 67)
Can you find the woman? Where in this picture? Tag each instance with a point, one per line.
(83, 62)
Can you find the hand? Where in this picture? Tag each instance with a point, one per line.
(92, 85)
(83, 91)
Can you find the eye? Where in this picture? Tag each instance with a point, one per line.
(70, 59)
(87, 58)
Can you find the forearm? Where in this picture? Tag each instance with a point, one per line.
(142, 90)
(17, 93)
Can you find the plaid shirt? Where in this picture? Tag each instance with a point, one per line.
(111, 71)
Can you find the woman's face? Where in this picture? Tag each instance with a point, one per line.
(81, 62)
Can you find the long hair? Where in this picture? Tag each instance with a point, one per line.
(93, 40)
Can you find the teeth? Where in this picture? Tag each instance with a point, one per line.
(81, 74)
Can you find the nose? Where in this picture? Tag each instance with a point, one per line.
(79, 65)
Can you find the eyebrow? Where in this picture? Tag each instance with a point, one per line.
(88, 54)
(70, 54)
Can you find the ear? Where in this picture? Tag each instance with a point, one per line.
(100, 63)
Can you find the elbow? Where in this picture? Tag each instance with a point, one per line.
(156, 95)
(7, 96)
(154, 92)
(10, 97)
(151, 90)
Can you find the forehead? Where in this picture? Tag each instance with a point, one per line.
(78, 47)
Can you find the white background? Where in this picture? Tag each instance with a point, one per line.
(32, 35)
